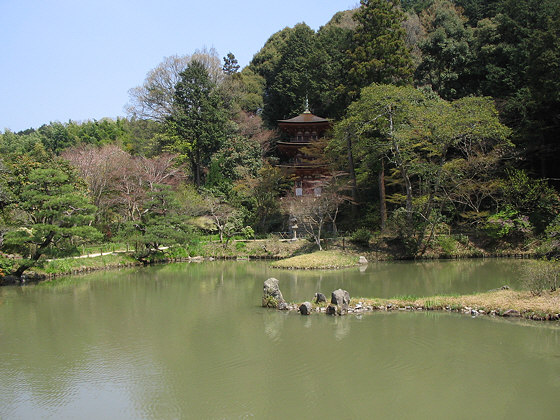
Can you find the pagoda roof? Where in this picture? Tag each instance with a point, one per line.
(306, 117)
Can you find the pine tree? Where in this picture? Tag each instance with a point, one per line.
(231, 65)
(379, 53)
(58, 217)
(198, 119)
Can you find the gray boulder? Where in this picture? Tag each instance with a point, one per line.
(272, 296)
(331, 310)
(340, 297)
(305, 308)
(319, 297)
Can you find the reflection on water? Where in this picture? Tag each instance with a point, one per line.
(190, 341)
(273, 323)
(342, 327)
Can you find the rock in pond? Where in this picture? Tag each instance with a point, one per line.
(272, 296)
(319, 297)
(331, 310)
(305, 308)
(340, 297)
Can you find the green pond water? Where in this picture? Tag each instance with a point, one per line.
(191, 341)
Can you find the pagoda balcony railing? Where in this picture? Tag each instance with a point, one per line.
(300, 165)
(293, 142)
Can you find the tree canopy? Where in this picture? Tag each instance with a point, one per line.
(55, 219)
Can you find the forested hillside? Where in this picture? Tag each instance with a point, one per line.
(446, 128)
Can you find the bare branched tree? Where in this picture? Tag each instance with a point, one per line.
(118, 180)
(225, 218)
(161, 169)
(314, 212)
(154, 98)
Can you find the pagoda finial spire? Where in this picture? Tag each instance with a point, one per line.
(307, 111)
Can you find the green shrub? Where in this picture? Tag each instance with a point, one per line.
(541, 275)
(532, 197)
(247, 232)
(6, 265)
(59, 266)
(175, 252)
(447, 243)
(508, 222)
(552, 242)
(361, 236)
(462, 239)
(194, 247)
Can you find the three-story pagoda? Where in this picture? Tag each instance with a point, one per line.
(302, 134)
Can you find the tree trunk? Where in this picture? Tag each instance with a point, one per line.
(195, 163)
(19, 272)
(382, 198)
(402, 167)
(352, 171)
(318, 237)
(36, 255)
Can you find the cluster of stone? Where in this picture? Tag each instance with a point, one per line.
(340, 305)
(340, 301)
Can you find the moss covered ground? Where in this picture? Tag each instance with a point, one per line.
(319, 260)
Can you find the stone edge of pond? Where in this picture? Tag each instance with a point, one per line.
(360, 308)
(544, 309)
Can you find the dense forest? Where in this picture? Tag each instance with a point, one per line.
(446, 127)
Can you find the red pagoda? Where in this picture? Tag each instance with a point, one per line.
(302, 134)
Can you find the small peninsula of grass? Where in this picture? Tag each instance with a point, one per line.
(517, 303)
(503, 302)
(318, 260)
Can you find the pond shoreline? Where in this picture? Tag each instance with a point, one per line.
(32, 277)
(297, 255)
(503, 303)
(496, 303)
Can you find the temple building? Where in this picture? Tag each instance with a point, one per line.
(299, 149)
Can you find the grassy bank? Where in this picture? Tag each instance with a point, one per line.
(67, 266)
(500, 302)
(505, 303)
(319, 260)
(301, 254)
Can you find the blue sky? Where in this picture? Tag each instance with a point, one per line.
(77, 59)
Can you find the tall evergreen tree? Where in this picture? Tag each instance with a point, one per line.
(517, 62)
(446, 51)
(292, 81)
(198, 120)
(328, 65)
(379, 53)
(231, 65)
